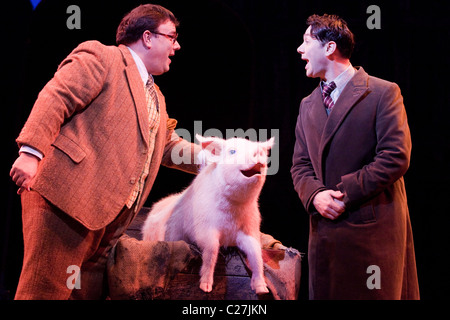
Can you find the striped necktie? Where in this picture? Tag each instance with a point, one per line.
(153, 118)
(150, 94)
(326, 91)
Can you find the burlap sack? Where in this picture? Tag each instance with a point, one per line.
(142, 270)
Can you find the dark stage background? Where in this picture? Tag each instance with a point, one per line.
(238, 68)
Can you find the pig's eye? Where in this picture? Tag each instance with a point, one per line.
(232, 151)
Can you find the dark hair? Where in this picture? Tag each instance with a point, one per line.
(145, 17)
(332, 28)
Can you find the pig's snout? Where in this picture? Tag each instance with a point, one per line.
(259, 156)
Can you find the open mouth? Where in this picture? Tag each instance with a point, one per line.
(256, 169)
(307, 61)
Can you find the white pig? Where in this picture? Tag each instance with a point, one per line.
(219, 208)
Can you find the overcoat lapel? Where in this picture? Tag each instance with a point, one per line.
(137, 91)
(315, 119)
(317, 110)
(355, 89)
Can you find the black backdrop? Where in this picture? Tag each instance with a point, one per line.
(238, 68)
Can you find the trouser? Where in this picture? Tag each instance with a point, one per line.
(57, 248)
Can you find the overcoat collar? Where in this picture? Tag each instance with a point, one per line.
(355, 89)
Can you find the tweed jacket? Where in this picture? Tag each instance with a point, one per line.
(363, 149)
(91, 124)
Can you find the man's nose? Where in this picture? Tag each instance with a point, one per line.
(300, 49)
(176, 46)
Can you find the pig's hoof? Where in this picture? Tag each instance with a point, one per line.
(262, 289)
(259, 286)
(205, 286)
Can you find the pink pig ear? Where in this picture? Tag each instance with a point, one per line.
(268, 144)
(211, 145)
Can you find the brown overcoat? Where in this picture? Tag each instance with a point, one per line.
(362, 149)
(91, 123)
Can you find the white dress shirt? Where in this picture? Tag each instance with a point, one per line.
(340, 81)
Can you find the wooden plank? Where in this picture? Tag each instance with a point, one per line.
(186, 287)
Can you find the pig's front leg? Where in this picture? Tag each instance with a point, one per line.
(210, 249)
(252, 248)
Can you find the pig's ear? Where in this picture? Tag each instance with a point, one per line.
(211, 146)
(268, 144)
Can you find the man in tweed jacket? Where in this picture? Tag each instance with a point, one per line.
(83, 151)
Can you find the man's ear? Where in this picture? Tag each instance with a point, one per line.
(146, 39)
(330, 48)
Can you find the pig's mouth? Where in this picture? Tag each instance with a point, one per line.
(256, 169)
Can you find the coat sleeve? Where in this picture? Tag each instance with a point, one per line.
(303, 175)
(392, 154)
(78, 80)
(178, 152)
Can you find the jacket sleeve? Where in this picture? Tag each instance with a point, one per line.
(303, 175)
(178, 152)
(78, 80)
(392, 154)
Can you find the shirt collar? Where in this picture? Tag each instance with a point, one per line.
(141, 66)
(342, 79)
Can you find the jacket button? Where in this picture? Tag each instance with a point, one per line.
(133, 180)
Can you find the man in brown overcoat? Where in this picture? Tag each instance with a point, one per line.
(89, 154)
(352, 149)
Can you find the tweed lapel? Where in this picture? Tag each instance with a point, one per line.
(136, 88)
(161, 100)
(355, 89)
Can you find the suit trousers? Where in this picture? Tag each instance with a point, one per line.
(57, 248)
